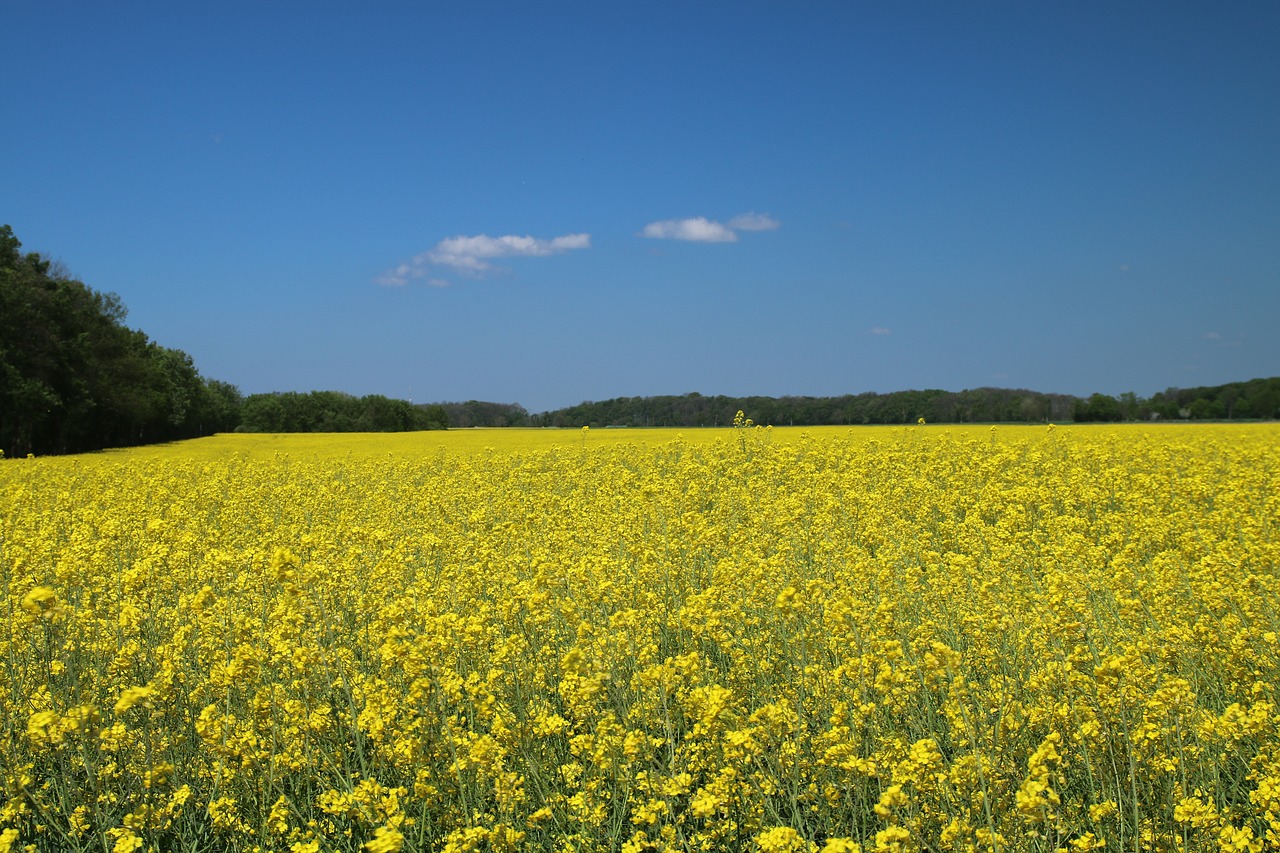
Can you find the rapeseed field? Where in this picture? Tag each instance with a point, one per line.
(880, 639)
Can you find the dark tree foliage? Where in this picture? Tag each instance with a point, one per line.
(1256, 399)
(334, 411)
(474, 413)
(982, 405)
(74, 378)
(437, 417)
(1099, 408)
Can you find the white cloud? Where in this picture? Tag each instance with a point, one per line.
(699, 229)
(754, 222)
(472, 255)
(880, 330)
(399, 276)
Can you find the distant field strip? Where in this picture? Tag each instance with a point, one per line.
(914, 638)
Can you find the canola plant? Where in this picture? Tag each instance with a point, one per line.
(878, 639)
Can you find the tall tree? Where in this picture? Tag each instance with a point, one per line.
(73, 377)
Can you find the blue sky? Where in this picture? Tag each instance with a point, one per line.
(552, 202)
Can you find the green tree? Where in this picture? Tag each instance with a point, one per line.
(73, 377)
(1099, 408)
(220, 407)
(434, 416)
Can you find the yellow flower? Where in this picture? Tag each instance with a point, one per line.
(1103, 810)
(1233, 839)
(891, 799)
(842, 845)
(782, 839)
(1036, 800)
(893, 839)
(132, 696)
(786, 599)
(278, 820)
(284, 564)
(704, 803)
(387, 839)
(126, 841)
(224, 814)
(1196, 811)
(79, 820)
(40, 601)
(43, 728)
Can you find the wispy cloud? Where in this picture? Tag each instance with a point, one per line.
(699, 229)
(880, 330)
(1224, 340)
(401, 275)
(472, 255)
(754, 222)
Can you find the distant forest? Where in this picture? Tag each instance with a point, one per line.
(1258, 399)
(74, 378)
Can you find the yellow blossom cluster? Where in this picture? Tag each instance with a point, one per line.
(775, 640)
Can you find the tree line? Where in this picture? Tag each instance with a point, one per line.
(901, 407)
(1256, 399)
(334, 411)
